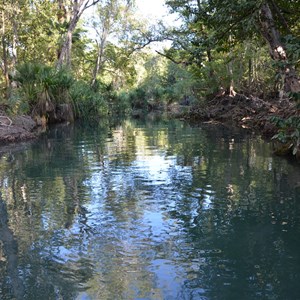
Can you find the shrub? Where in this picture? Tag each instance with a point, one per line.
(41, 87)
(288, 135)
(86, 101)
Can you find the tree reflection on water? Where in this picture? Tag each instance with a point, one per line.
(148, 210)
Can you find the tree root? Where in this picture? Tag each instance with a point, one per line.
(3, 123)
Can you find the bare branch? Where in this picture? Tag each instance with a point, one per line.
(141, 46)
(170, 58)
(145, 44)
(87, 5)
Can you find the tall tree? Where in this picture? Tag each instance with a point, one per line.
(9, 13)
(111, 15)
(73, 10)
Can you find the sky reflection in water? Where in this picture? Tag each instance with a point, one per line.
(148, 210)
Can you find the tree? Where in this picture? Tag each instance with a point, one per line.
(71, 13)
(278, 49)
(28, 32)
(111, 15)
(9, 38)
(215, 24)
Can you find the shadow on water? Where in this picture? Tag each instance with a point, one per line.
(148, 209)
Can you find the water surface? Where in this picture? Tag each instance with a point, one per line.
(148, 210)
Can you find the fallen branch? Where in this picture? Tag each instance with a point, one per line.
(2, 123)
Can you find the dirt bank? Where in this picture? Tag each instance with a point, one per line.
(247, 112)
(16, 129)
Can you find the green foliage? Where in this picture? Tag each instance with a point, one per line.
(41, 86)
(222, 42)
(288, 132)
(137, 98)
(17, 104)
(180, 83)
(292, 44)
(122, 104)
(87, 102)
(117, 103)
(38, 31)
(165, 82)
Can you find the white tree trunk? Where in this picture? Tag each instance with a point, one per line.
(100, 56)
(78, 7)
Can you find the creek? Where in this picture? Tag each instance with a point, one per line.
(148, 210)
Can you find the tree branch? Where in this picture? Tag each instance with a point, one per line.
(142, 46)
(221, 33)
(170, 58)
(280, 15)
(87, 5)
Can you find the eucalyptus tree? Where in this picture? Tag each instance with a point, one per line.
(9, 13)
(277, 46)
(70, 13)
(108, 24)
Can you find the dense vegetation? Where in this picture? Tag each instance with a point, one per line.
(71, 59)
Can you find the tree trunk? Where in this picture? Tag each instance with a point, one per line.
(78, 7)
(4, 56)
(249, 73)
(65, 52)
(100, 55)
(230, 90)
(15, 38)
(97, 66)
(277, 50)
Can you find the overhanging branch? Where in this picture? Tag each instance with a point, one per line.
(170, 58)
(145, 44)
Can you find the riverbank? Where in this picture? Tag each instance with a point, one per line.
(247, 112)
(251, 113)
(16, 129)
